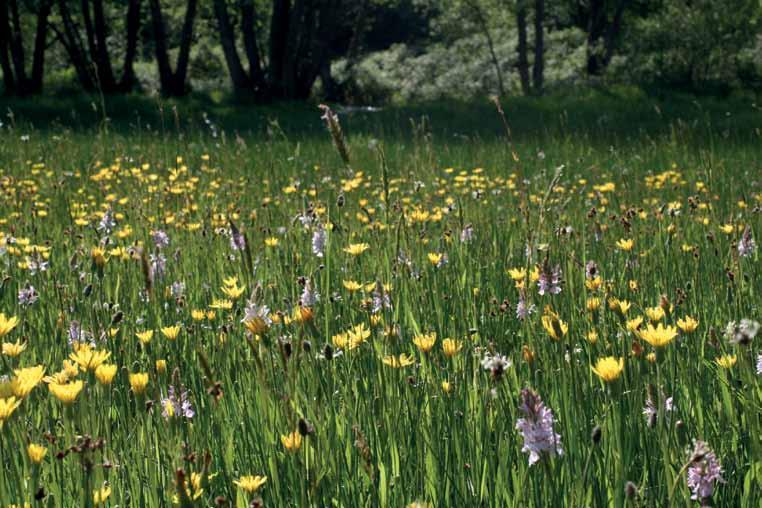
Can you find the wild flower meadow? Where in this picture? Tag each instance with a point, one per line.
(405, 320)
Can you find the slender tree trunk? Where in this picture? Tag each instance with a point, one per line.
(186, 41)
(594, 32)
(256, 74)
(279, 30)
(74, 47)
(160, 42)
(613, 32)
(521, 48)
(129, 80)
(173, 83)
(17, 46)
(101, 57)
(238, 76)
(538, 68)
(9, 81)
(38, 53)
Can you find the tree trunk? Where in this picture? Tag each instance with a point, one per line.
(73, 45)
(279, 32)
(256, 74)
(523, 61)
(38, 54)
(613, 32)
(482, 22)
(128, 81)
(237, 73)
(172, 83)
(595, 28)
(9, 81)
(538, 68)
(101, 57)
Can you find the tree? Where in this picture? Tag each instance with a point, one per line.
(602, 22)
(535, 86)
(173, 83)
(13, 63)
(538, 66)
(302, 36)
(91, 59)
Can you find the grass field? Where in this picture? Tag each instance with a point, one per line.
(219, 305)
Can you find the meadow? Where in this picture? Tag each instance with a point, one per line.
(548, 303)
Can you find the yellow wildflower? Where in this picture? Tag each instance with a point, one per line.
(7, 324)
(291, 442)
(67, 392)
(250, 484)
(14, 349)
(36, 452)
(425, 342)
(659, 336)
(687, 324)
(609, 368)
(451, 347)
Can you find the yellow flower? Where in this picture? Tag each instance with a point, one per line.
(625, 244)
(221, 304)
(633, 284)
(145, 337)
(555, 327)
(435, 257)
(291, 442)
(593, 284)
(593, 304)
(425, 342)
(451, 347)
(256, 325)
(727, 229)
(138, 382)
(527, 354)
(198, 315)
(105, 373)
(687, 324)
(351, 285)
(26, 379)
(250, 483)
(355, 249)
(99, 256)
(651, 357)
(271, 241)
(13, 349)
(89, 360)
(659, 336)
(230, 281)
(161, 366)
(609, 368)
(655, 313)
(446, 386)
(7, 324)
(36, 452)
(420, 504)
(619, 306)
(517, 274)
(633, 324)
(170, 332)
(67, 392)
(592, 336)
(7, 407)
(233, 292)
(101, 495)
(400, 361)
(726, 361)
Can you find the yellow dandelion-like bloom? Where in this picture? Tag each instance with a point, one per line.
(198, 315)
(687, 324)
(7, 407)
(527, 354)
(171, 332)
(250, 483)
(355, 249)
(351, 285)
(593, 304)
(451, 347)
(145, 337)
(659, 336)
(89, 360)
(291, 442)
(609, 368)
(625, 244)
(517, 274)
(221, 304)
(26, 379)
(655, 314)
(726, 361)
(620, 307)
(230, 281)
(101, 495)
(435, 258)
(14, 349)
(256, 325)
(594, 284)
(592, 336)
(271, 241)
(633, 324)
(357, 335)
(556, 328)
(36, 452)
(138, 382)
(233, 292)
(161, 366)
(446, 386)
(98, 256)
(7, 324)
(105, 373)
(425, 342)
(398, 362)
(420, 504)
(67, 392)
